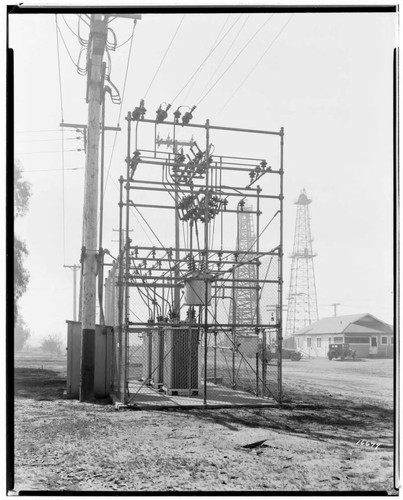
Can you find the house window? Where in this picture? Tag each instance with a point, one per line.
(338, 339)
(384, 340)
(308, 342)
(392, 340)
(358, 340)
(330, 340)
(318, 342)
(297, 342)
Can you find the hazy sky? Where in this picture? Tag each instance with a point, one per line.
(326, 78)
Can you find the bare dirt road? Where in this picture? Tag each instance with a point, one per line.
(309, 445)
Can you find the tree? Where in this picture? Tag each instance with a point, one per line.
(52, 344)
(21, 334)
(22, 193)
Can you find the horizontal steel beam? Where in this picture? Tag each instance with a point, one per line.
(214, 326)
(219, 192)
(172, 207)
(211, 251)
(211, 127)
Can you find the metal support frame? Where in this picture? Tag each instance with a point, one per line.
(131, 274)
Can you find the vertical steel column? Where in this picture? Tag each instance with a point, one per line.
(127, 260)
(177, 242)
(206, 256)
(280, 272)
(120, 291)
(264, 364)
(234, 299)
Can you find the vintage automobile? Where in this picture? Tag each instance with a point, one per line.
(285, 354)
(341, 351)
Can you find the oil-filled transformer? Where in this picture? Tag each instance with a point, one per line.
(153, 357)
(182, 361)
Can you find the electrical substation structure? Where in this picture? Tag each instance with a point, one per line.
(188, 307)
(302, 301)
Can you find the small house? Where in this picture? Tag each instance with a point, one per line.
(367, 335)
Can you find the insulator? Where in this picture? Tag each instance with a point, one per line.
(139, 112)
(162, 113)
(188, 116)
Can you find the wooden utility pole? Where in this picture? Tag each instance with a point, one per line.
(96, 48)
(75, 268)
(335, 308)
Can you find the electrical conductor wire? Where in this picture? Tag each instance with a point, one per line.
(121, 106)
(255, 66)
(164, 56)
(62, 113)
(234, 60)
(204, 60)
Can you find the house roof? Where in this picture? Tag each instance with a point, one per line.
(352, 323)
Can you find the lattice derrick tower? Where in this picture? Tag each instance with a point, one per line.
(245, 299)
(302, 302)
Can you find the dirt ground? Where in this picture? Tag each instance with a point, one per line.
(308, 444)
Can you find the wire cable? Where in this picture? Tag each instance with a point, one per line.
(225, 55)
(255, 66)
(164, 56)
(80, 70)
(124, 43)
(234, 60)
(62, 117)
(121, 106)
(67, 24)
(53, 169)
(205, 59)
(215, 41)
(49, 140)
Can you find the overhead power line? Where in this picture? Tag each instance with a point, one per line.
(258, 62)
(68, 26)
(49, 140)
(52, 169)
(165, 54)
(62, 119)
(80, 70)
(205, 59)
(234, 60)
(212, 47)
(120, 109)
(43, 152)
(226, 53)
(37, 131)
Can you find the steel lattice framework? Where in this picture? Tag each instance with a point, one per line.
(191, 275)
(243, 308)
(302, 302)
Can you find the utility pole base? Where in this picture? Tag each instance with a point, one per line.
(87, 365)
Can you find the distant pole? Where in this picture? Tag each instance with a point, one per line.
(96, 48)
(75, 268)
(335, 308)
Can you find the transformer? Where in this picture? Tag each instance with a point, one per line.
(153, 357)
(182, 361)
